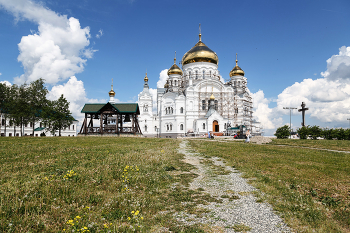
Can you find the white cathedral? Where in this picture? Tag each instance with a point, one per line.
(195, 100)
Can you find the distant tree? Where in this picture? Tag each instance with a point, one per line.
(37, 101)
(347, 134)
(57, 115)
(303, 132)
(4, 102)
(282, 132)
(327, 134)
(315, 132)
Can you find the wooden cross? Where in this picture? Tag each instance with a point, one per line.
(302, 110)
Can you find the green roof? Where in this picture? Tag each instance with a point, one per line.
(125, 108)
(39, 128)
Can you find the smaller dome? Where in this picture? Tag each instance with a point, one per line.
(236, 71)
(212, 97)
(166, 85)
(146, 78)
(111, 93)
(174, 69)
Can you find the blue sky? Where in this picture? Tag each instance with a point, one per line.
(283, 47)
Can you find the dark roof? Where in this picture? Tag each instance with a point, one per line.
(39, 128)
(124, 108)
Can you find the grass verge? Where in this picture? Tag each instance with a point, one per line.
(310, 188)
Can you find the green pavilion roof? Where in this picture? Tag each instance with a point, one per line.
(124, 108)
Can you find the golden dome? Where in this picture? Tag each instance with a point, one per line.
(146, 78)
(111, 93)
(236, 71)
(174, 69)
(200, 53)
(212, 97)
(166, 85)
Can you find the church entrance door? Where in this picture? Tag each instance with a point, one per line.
(215, 126)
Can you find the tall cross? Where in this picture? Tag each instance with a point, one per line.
(112, 84)
(302, 110)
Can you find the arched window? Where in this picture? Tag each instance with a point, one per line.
(203, 74)
(175, 83)
(181, 127)
(236, 110)
(216, 104)
(171, 127)
(181, 110)
(196, 74)
(167, 127)
(225, 126)
(166, 110)
(145, 128)
(145, 108)
(172, 110)
(203, 125)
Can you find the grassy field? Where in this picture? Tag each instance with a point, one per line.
(310, 188)
(109, 184)
(92, 184)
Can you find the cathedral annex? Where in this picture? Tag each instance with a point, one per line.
(195, 100)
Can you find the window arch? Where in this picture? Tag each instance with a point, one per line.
(181, 110)
(167, 127)
(145, 108)
(203, 125)
(181, 127)
(145, 128)
(225, 126)
(171, 127)
(203, 74)
(216, 104)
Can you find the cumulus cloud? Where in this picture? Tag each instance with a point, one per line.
(99, 34)
(327, 98)
(57, 51)
(338, 66)
(7, 83)
(163, 76)
(74, 92)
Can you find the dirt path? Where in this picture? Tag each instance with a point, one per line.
(240, 209)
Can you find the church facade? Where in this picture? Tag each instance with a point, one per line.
(195, 100)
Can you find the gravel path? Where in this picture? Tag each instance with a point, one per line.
(244, 211)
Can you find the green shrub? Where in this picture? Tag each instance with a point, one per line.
(315, 131)
(303, 132)
(282, 132)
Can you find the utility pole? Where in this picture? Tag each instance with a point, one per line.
(290, 120)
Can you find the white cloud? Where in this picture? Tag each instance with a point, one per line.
(74, 92)
(163, 76)
(328, 98)
(262, 113)
(0, 74)
(338, 66)
(7, 83)
(99, 34)
(57, 51)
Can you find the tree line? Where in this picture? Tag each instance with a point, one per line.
(27, 104)
(315, 132)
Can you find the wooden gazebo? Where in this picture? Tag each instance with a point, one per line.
(113, 119)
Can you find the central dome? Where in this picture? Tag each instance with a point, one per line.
(200, 53)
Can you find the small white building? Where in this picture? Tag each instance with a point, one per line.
(39, 129)
(195, 99)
